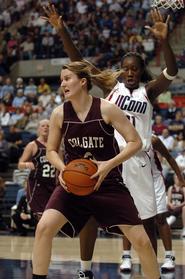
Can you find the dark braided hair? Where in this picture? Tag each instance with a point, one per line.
(146, 74)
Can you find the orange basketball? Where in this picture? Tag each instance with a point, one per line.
(77, 176)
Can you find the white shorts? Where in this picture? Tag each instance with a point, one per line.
(160, 193)
(138, 178)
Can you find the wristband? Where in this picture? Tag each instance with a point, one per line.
(167, 76)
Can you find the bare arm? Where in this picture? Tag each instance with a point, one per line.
(54, 139)
(29, 151)
(160, 147)
(160, 31)
(114, 116)
(169, 195)
(72, 51)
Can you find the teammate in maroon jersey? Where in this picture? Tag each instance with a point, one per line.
(83, 116)
(42, 177)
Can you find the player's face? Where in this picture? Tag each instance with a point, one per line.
(131, 72)
(44, 128)
(70, 84)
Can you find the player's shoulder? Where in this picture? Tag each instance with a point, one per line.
(106, 104)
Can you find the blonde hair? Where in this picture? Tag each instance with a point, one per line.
(105, 78)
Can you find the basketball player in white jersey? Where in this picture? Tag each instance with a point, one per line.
(136, 101)
(158, 149)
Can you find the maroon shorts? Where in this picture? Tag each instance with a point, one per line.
(38, 196)
(111, 205)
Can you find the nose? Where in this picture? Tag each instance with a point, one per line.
(130, 73)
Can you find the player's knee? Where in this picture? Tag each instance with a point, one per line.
(142, 242)
(161, 219)
(43, 230)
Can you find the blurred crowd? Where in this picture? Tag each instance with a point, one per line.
(102, 29)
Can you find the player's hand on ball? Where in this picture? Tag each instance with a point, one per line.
(62, 182)
(103, 169)
(52, 16)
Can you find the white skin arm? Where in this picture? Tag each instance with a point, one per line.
(114, 116)
(55, 138)
(24, 161)
(53, 152)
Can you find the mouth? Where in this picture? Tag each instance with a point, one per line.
(130, 82)
(66, 91)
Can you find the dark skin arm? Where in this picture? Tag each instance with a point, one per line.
(70, 48)
(159, 31)
(160, 147)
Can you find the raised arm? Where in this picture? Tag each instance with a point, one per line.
(160, 147)
(57, 22)
(161, 33)
(70, 48)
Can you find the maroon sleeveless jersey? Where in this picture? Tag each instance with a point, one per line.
(177, 196)
(91, 138)
(41, 181)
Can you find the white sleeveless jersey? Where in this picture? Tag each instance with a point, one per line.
(138, 109)
(155, 163)
(159, 184)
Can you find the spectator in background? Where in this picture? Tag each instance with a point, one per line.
(164, 100)
(45, 98)
(171, 111)
(179, 143)
(43, 87)
(27, 48)
(15, 141)
(32, 124)
(181, 161)
(176, 126)
(4, 153)
(167, 139)
(19, 84)
(23, 216)
(7, 88)
(4, 68)
(17, 118)
(3, 225)
(31, 88)
(21, 192)
(4, 115)
(158, 125)
(19, 99)
(176, 203)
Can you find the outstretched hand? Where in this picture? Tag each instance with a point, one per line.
(160, 26)
(52, 16)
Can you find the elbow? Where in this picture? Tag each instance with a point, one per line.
(139, 144)
(48, 157)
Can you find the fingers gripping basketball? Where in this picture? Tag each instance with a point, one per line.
(77, 176)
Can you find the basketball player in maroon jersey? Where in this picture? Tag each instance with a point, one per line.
(42, 178)
(83, 116)
(135, 72)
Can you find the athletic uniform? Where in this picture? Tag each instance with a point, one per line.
(112, 204)
(137, 173)
(159, 184)
(42, 180)
(177, 198)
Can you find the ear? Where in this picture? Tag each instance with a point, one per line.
(83, 81)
